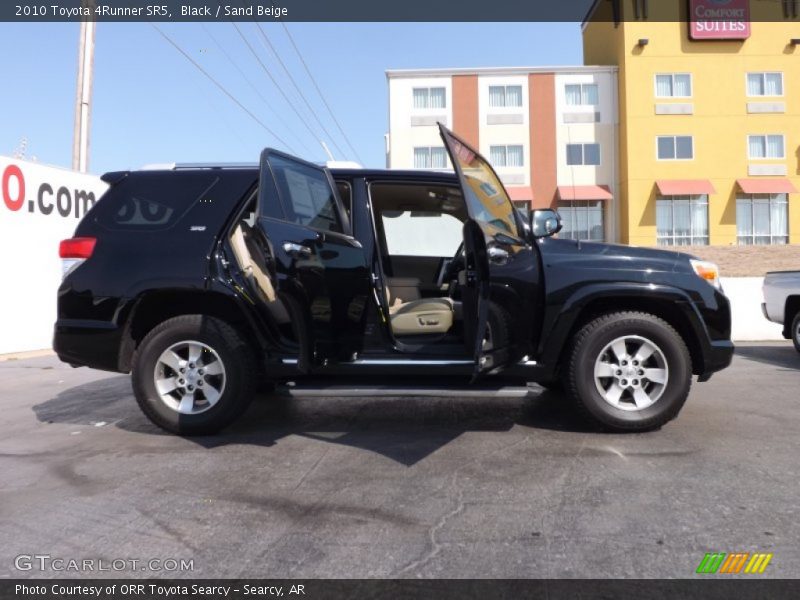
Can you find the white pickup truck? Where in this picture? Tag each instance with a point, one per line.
(782, 302)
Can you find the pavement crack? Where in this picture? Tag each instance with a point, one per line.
(434, 543)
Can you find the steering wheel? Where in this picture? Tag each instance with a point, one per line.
(451, 267)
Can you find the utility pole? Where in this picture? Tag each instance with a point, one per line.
(83, 94)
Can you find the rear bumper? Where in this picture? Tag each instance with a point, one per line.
(89, 343)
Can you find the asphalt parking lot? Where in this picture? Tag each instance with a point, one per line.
(401, 487)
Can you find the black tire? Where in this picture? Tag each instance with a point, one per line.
(232, 351)
(795, 331)
(499, 323)
(588, 346)
(554, 385)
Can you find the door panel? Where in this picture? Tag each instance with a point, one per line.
(501, 267)
(320, 270)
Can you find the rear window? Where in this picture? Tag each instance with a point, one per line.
(153, 201)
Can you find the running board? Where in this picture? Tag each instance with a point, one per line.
(462, 391)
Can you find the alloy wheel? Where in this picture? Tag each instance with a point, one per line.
(631, 373)
(189, 377)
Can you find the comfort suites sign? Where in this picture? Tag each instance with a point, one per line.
(719, 19)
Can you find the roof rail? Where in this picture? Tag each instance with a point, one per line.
(186, 166)
(224, 165)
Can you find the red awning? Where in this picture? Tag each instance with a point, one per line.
(520, 193)
(684, 187)
(584, 192)
(766, 186)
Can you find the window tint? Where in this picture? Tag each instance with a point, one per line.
(487, 201)
(151, 201)
(306, 194)
(416, 233)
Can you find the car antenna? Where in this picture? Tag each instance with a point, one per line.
(327, 150)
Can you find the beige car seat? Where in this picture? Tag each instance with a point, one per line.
(411, 315)
(253, 272)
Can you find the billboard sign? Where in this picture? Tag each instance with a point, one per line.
(39, 206)
(719, 19)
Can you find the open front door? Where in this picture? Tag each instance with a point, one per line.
(497, 258)
(319, 270)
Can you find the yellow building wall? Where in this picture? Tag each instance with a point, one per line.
(719, 124)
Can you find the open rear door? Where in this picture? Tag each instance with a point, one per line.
(493, 239)
(318, 269)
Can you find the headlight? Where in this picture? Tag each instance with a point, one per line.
(707, 270)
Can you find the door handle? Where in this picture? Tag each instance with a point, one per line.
(297, 250)
(497, 255)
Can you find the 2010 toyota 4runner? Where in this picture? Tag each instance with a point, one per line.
(205, 281)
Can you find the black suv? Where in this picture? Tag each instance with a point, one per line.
(205, 282)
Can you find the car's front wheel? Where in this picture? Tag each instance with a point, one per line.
(193, 375)
(629, 371)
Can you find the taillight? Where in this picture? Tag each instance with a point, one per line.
(74, 251)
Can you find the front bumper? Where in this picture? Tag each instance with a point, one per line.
(717, 356)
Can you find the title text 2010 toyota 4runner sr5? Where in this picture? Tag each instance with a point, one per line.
(204, 282)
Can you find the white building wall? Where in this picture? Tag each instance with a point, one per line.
(570, 130)
(405, 136)
(494, 134)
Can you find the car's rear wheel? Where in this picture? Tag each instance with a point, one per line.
(629, 371)
(193, 375)
(796, 331)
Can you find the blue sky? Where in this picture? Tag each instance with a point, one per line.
(151, 105)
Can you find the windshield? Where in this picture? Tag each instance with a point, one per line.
(487, 200)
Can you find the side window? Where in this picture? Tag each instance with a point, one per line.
(306, 195)
(152, 201)
(346, 196)
(418, 233)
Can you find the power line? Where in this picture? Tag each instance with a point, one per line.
(319, 91)
(251, 84)
(222, 88)
(275, 83)
(296, 87)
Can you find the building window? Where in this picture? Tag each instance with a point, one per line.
(506, 156)
(524, 208)
(583, 154)
(582, 94)
(765, 84)
(581, 220)
(674, 85)
(675, 147)
(682, 220)
(430, 157)
(762, 219)
(765, 146)
(505, 96)
(429, 97)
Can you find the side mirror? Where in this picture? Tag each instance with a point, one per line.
(545, 222)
